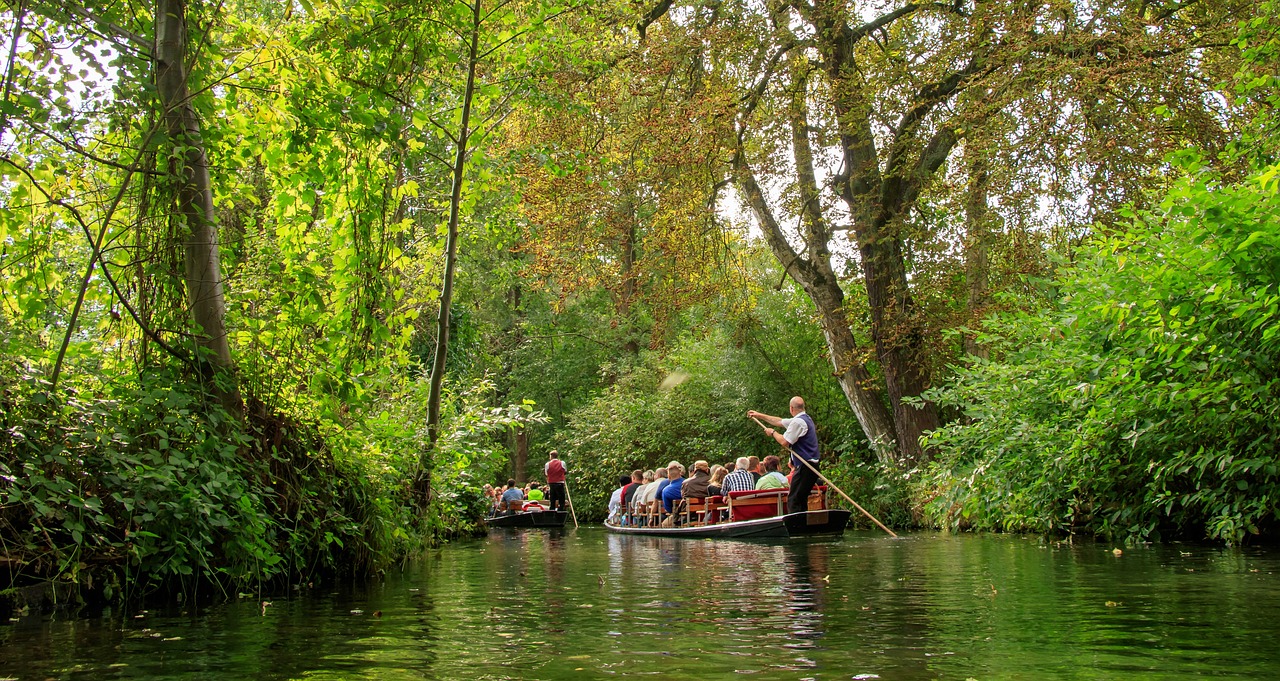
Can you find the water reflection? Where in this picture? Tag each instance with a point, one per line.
(586, 604)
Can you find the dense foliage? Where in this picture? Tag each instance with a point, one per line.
(1146, 401)
(282, 285)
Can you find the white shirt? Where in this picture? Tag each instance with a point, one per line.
(651, 492)
(615, 501)
(796, 429)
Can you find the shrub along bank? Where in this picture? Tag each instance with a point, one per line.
(125, 489)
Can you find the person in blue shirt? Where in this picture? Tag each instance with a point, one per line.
(512, 496)
(671, 493)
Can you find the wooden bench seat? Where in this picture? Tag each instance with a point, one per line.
(753, 504)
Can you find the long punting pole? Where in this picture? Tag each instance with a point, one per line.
(569, 497)
(830, 484)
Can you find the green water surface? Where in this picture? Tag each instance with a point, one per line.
(586, 604)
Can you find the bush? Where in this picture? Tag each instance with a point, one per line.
(1145, 402)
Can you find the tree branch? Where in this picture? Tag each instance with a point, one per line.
(654, 14)
(106, 273)
(138, 41)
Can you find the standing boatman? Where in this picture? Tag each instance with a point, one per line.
(555, 470)
(801, 436)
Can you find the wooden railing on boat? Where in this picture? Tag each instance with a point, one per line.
(733, 507)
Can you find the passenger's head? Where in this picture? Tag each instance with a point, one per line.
(647, 477)
(753, 463)
(659, 474)
(511, 482)
(637, 475)
(533, 485)
(624, 480)
(702, 466)
(797, 405)
(742, 463)
(771, 463)
(675, 469)
(718, 473)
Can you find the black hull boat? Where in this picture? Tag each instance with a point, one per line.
(745, 514)
(529, 519)
(801, 524)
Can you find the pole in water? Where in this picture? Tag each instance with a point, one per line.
(569, 498)
(832, 485)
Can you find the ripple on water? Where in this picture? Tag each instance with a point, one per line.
(590, 605)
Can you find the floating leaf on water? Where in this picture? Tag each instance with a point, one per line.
(866, 676)
(505, 634)
(1116, 552)
(578, 657)
(357, 611)
(173, 638)
(1112, 604)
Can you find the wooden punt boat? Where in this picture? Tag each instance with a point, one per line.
(532, 515)
(739, 515)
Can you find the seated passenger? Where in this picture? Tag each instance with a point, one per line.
(631, 490)
(651, 491)
(696, 486)
(772, 479)
(615, 501)
(633, 507)
(753, 465)
(740, 480)
(675, 479)
(717, 480)
(664, 479)
(512, 497)
(535, 492)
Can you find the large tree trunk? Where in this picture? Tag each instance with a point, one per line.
(900, 340)
(876, 202)
(203, 275)
(828, 298)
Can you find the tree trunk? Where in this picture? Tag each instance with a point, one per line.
(203, 275)
(627, 296)
(522, 456)
(899, 336)
(876, 201)
(828, 298)
(977, 240)
(423, 484)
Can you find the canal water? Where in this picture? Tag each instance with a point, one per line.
(590, 605)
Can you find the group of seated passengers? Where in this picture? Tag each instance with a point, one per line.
(637, 492)
(511, 498)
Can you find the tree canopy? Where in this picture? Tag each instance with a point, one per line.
(282, 285)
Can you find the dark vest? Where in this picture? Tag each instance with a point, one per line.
(807, 446)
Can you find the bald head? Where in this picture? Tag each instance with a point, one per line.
(797, 405)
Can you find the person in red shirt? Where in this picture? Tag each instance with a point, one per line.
(555, 471)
